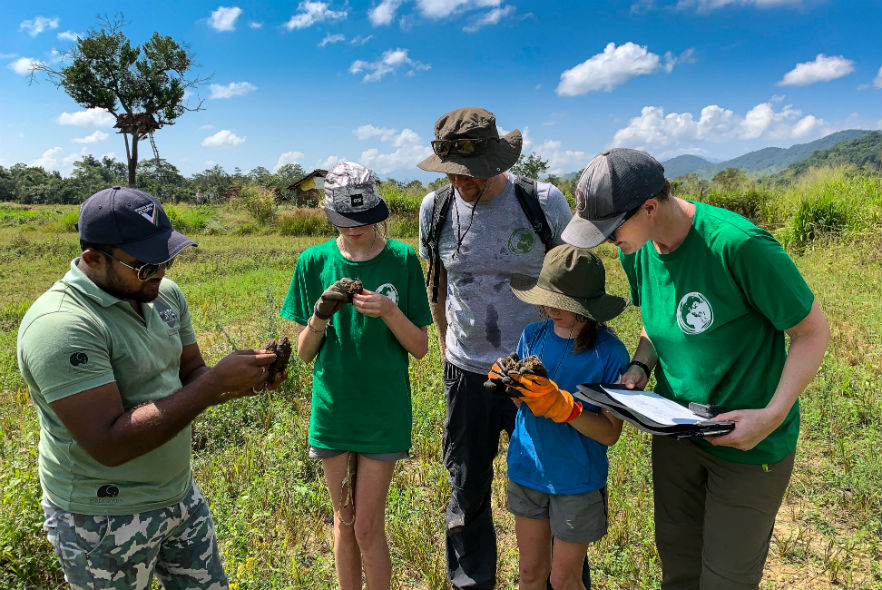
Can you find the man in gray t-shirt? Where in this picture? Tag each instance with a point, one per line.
(485, 237)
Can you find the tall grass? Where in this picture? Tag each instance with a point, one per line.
(270, 505)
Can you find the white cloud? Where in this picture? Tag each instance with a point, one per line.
(94, 117)
(224, 18)
(409, 148)
(332, 39)
(232, 89)
(38, 25)
(384, 12)
(288, 158)
(392, 60)
(560, 160)
(95, 137)
(329, 162)
(703, 6)
(312, 13)
(877, 81)
(206, 127)
(361, 39)
(24, 65)
(68, 36)
(443, 8)
(222, 138)
(654, 129)
(49, 159)
(615, 66)
(367, 131)
(255, 25)
(491, 18)
(823, 69)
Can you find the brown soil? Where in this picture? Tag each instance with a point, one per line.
(282, 349)
(352, 287)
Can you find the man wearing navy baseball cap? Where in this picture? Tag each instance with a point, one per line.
(112, 364)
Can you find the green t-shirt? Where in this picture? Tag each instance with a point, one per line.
(715, 309)
(77, 337)
(360, 383)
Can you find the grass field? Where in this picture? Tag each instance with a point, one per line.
(271, 509)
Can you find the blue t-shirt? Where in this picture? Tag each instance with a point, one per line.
(553, 457)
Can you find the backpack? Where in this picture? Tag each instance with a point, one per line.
(526, 192)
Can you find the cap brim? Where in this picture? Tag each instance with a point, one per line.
(373, 215)
(601, 309)
(158, 248)
(503, 156)
(583, 233)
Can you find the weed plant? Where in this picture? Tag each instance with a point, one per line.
(269, 500)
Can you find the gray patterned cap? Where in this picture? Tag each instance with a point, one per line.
(613, 183)
(351, 196)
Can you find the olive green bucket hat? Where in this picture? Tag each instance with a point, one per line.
(572, 279)
(468, 143)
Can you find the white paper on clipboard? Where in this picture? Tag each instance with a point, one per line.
(655, 407)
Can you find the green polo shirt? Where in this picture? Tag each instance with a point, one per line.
(76, 337)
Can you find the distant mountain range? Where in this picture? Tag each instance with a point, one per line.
(764, 162)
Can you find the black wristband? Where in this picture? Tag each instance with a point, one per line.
(319, 314)
(643, 366)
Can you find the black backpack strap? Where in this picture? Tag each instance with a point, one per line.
(528, 197)
(440, 209)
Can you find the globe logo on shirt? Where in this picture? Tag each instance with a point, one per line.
(694, 313)
(521, 241)
(389, 290)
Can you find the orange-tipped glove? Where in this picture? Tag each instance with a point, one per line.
(544, 397)
(498, 381)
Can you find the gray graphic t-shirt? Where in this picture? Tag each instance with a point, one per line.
(484, 318)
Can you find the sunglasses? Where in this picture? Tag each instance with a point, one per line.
(628, 215)
(146, 270)
(462, 147)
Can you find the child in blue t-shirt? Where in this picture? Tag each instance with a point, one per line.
(557, 465)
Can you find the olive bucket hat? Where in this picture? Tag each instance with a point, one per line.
(572, 279)
(467, 142)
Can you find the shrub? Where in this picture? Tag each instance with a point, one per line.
(305, 222)
(749, 202)
(190, 219)
(404, 226)
(399, 201)
(260, 202)
(814, 219)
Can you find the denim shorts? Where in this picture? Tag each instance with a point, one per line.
(321, 453)
(577, 518)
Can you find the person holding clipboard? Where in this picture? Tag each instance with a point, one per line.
(717, 296)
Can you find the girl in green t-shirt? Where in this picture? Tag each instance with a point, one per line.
(360, 422)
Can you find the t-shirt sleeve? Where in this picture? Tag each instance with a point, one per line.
(629, 265)
(425, 222)
(417, 310)
(185, 321)
(64, 355)
(297, 306)
(770, 280)
(557, 213)
(616, 359)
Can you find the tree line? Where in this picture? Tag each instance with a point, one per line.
(21, 183)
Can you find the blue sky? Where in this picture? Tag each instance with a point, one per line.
(316, 81)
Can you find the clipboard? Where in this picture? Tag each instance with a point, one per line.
(650, 412)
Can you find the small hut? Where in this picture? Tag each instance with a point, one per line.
(309, 190)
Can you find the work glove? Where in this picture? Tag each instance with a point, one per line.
(542, 395)
(335, 297)
(498, 380)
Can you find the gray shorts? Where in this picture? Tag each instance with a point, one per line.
(578, 518)
(320, 453)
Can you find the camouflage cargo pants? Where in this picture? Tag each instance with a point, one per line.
(176, 543)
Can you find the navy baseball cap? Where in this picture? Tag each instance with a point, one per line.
(613, 183)
(132, 221)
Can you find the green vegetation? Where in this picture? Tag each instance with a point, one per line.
(271, 508)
